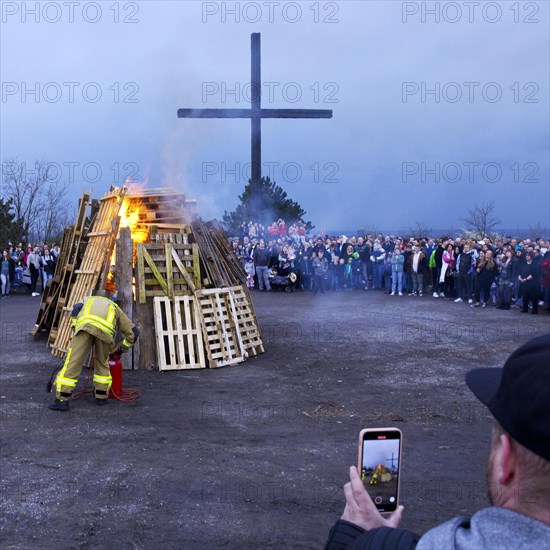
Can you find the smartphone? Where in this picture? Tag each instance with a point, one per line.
(379, 465)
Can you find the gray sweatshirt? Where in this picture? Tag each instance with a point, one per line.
(490, 528)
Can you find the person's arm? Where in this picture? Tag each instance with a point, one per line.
(362, 527)
(128, 329)
(77, 308)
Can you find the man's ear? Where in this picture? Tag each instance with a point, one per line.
(505, 460)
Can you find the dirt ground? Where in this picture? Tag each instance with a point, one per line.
(253, 456)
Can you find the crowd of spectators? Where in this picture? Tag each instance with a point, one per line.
(503, 273)
(25, 267)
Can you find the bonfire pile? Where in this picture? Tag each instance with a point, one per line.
(174, 275)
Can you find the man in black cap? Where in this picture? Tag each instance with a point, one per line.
(518, 471)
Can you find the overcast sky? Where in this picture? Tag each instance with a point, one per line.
(460, 96)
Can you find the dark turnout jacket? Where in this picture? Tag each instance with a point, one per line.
(488, 529)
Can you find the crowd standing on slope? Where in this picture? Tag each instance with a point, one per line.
(503, 273)
(26, 267)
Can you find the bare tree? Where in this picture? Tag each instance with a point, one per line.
(371, 229)
(536, 231)
(37, 201)
(419, 230)
(23, 188)
(481, 219)
(54, 212)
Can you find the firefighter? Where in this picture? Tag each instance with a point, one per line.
(95, 323)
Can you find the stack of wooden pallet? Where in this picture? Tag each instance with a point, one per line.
(57, 290)
(188, 286)
(161, 209)
(94, 267)
(219, 263)
(195, 325)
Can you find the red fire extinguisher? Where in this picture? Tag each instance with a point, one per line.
(115, 366)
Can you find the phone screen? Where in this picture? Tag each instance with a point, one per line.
(379, 465)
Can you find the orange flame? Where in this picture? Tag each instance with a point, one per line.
(129, 217)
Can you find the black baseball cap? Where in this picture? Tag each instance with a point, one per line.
(518, 395)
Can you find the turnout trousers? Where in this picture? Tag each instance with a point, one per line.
(68, 376)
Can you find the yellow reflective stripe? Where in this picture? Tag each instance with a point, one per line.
(60, 379)
(126, 344)
(66, 363)
(87, 318)
(67, 381)
(97, 322)
(104, 380)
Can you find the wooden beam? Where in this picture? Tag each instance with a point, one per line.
(140, 279)
(124, 274)
(169, 274)
(145, 350)
(181, 267)
(154, 269)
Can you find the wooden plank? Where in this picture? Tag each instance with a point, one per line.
(124, 275)
(182, 269)
(141, 274)
(180, 331)
(235, 323)
(196, 265)
(169, 275)
(155, 271)
(86, 271)
(189, 332)
(145, 349)
(98, 234)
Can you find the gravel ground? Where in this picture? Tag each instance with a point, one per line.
(253, 456)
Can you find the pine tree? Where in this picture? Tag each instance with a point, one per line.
(275, 204)
(10, 229)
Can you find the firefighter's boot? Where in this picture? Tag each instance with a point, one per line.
(58, 405)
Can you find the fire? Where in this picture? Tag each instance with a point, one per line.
(129, 217)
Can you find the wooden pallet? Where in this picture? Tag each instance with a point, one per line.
(169, 269)
(181, 237)
(58, 288)
(246, 319)
(178, 333)
(161, 205)
(153, 215)
(94, 266)
(220, 327)
(156, 193)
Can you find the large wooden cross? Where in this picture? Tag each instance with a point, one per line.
(392, 460)
(255, 114)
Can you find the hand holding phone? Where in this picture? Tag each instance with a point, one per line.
(360, 509)
(379, 465)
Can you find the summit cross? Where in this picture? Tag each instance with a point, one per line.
(255, 114)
